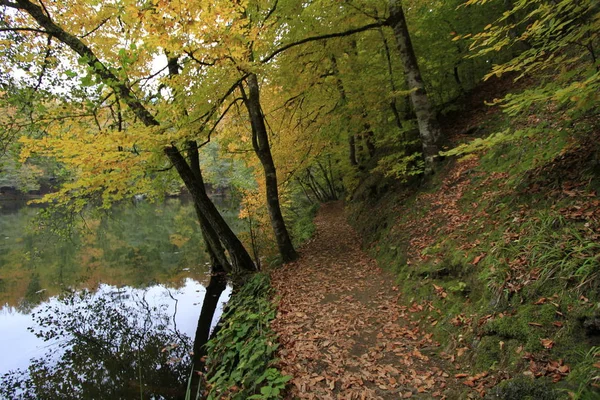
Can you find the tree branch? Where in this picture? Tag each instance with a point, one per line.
(234, 102)
(96, 28)
(349, 32)
(102, 71)
(10, 4)
(190, 54)
(271, 11)
(23, 29)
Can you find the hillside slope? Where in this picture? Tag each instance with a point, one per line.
(504, 240)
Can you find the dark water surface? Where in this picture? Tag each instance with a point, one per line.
(124, 286)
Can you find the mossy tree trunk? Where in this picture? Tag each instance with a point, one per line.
(429, 128)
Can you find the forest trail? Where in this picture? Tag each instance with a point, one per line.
(343, 334)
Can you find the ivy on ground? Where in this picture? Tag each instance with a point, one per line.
(241, 361)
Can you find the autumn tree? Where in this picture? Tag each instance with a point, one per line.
(115, 84)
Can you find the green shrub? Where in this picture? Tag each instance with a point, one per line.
(241, 358)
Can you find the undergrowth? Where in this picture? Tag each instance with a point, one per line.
(506, 246)
(241, 361)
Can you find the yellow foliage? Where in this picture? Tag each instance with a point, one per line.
(178, 240)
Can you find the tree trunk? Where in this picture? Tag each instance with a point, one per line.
(330, 185)
(393, 104)
(344, 99)
(213, 244)
(240, 259)
(429, 129)
(352, 145)
(260, 142)
(368, 135)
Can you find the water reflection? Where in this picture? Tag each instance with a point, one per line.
(140, 271)
(134, 245)
(116, 343)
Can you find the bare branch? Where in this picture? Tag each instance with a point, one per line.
(45, 64)
(190, 54)
(271, 11)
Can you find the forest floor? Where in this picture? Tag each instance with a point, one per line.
(343, 332)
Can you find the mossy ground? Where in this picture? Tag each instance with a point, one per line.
(506, 243)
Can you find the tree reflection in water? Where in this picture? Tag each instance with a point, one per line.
(104, 346)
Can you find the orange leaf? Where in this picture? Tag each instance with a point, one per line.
(547, 343)
(478, 258)
(469, 383)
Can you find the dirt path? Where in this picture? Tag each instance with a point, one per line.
(342, 333)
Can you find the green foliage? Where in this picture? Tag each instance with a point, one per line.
(301, 222)
(555, 250)
(241, 363)
(523, 388)
(400, 166)
(557, 36)
(446, 69)
(481, 144)
(585, 374)
(557, 44)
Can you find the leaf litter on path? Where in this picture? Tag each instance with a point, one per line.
(342, 332)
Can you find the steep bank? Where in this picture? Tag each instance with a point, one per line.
(505, 243)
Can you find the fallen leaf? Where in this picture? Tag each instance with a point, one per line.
(547, 343)
(469, 383)
(478, 258)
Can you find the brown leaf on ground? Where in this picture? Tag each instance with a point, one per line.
(547, 343)
(478, 258)
(342, 332)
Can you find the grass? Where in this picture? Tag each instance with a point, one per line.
(522, 271)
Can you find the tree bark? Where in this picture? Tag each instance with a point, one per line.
(429, 129)
(344, 99)
(352, 146)
(240, 259)
(213, 244)
(393, 103)
(260, 142)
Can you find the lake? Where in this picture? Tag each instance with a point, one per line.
(126, 283)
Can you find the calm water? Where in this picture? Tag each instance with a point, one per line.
(131, 279)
